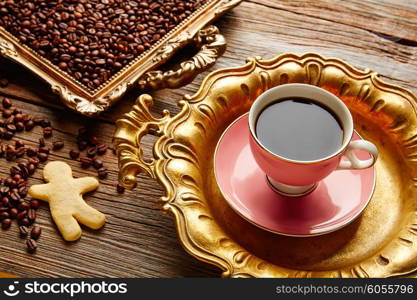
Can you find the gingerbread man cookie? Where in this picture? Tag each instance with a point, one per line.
(65, 197)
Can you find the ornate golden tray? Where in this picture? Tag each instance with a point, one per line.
(140, 72)
(381, 243)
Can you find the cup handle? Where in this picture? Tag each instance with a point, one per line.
(354, 162)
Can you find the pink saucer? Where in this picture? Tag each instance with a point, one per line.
(337, 201)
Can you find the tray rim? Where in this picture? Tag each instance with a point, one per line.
(92, 102)
(235, 262)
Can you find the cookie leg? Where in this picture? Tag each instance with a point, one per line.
(89, 216)
(68, 226)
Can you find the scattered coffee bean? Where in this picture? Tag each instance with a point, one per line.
(74, 154)
(86, 162)
(4, 82)
(23, 206)
(19, 144)
(45, 123)
(13, 213)
(44, 150)
(6, 103)
(97, 163)
(93, 141)
(4, 215)
(42, 157)
(120, 188)
(57, 145)
(24, 231)
(101, 149)
(5, 224)
(24, 221)
(20, 152)
(31, 245)
(33, 160)
(32, 215)
(92, 152)
(47, 132)
(35, 232)
(31, 152)
(29, 125)
(35, 204)
(82, 145)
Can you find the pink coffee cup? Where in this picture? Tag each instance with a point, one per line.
(296, 177)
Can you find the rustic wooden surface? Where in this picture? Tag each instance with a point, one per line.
(139, 240)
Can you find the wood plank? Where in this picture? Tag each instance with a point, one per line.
(141, 239)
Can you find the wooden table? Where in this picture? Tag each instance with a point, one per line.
(139, 240)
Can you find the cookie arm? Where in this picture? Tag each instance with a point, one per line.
(86, 184)
(40, 191)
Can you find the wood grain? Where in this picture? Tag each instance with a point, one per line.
(139, 239)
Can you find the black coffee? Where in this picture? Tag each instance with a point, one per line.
(299, 129)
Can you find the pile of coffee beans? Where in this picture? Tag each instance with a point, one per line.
(92, 39)
(27, 159)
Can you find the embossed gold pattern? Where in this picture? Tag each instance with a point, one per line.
(381, 243)
(140, 72)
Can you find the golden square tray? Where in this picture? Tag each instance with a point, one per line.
(140, 73)
(381, 243)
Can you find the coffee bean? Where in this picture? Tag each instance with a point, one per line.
(24, 221)
(47, 132)
(92, 140)
(31, 169)
(102, 173)
(7, 103)
(7, 113)
(82, 145)
(5, 224)
(4, 82)
(5, 202)
(23, 206)
(20, 152)
(74, 154)
(35, 232)
(20, 126)
(86, 162)
(42, 157)
(97, 163)
(31, 245)
(44, 150)
(29, 125)
(32, 215)
(4, 215)
(8, 134)
(92, 152)
(101, 149)
(45, 123)
(22, 214)
(35, 204)
(23, 231)
(4, 190)
(19, 144)
(120, 188)
(33, 160)
(13, 213)
(31, 152)
(11, 128)
(57, 145)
